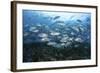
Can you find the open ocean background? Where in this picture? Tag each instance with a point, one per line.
(56, 35)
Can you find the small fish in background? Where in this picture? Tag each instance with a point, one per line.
(45, 39)
(26, 34)
(57, 45)
(79, 40)
(56, 17)
(61, 24)
(76, 45)
(55, 33)
(71, 39)
(26, 25)
(67, 44)
(72, 33)
(65, 35)
(39, 25)
(59, 37)
(58, 22)
(56, 29)
(47, 27)
(80, 29)
(36, 30)
(64, 39)
(43, 35)
(51, 43)
(72, 17)
(32, 28)
(63, 44)
(75, 29)
(79, 20)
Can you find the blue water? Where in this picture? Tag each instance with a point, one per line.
(57, 29)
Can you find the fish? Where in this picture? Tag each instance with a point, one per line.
(51, 43)
(62, 24)
(72, 33)
(79, 20)
(35, 30)
(43, 35)
(71, 17)
(67, 44)
(58, 22)
(55, 33)
(81, 29)
(32, 28)
(39, 25)
(45, 39)
(57, 45)
(26, 34)
(62, 44)
(70, 39)
(64, 39)
(26, 25)
(59, 37)
(65, 35)
(75, 28)
(76, 45)
(78, 40)
(56, 17)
